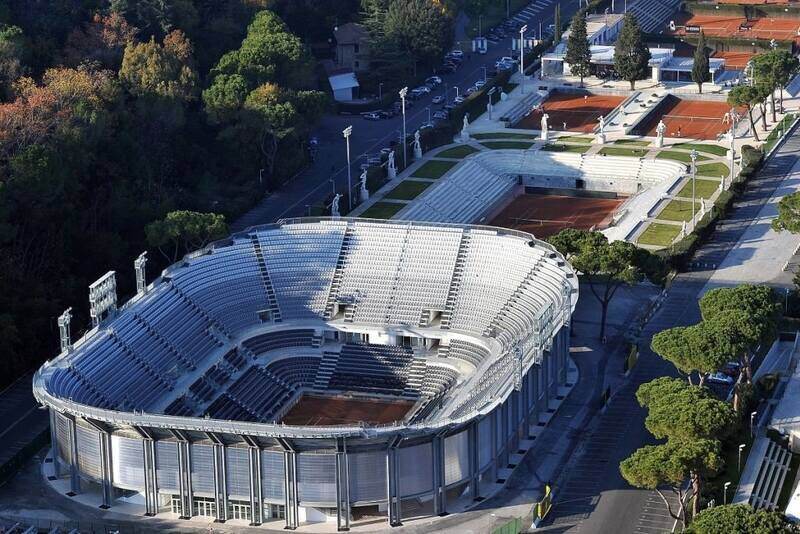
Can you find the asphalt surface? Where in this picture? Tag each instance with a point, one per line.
(313, 186)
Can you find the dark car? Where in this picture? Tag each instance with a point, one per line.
(371, 116)
(448, 68)
(441, 115)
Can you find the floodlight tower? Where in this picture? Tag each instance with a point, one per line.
(403, 93)
(347, 132)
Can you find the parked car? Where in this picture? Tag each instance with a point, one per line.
(454, 59)
(438, 99)
(719, 378)
(435, 80)
(441, 115)
(449, 107)
(374, 160)
(426, 125)
(480, 83)
(386, 114)
(424, 89)
(505, 60)
(470, 90)
(371, 116)
(459, 99)
(456, 53)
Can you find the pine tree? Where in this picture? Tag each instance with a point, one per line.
(631, 55)
(579, 54)
(700, 73)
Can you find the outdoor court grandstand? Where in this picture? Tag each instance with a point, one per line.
(314, 369)
(689, 119)
(732, 27)
(573, 112)
(546, 215)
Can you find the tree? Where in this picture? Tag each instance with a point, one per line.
(605, 266)
(631, 55)
(103, 40)
(700, 72)
(756, 304)
(184, 231)
(742, 518)
(788, 218)
(557, 24)
(225, 97)
(747, 96)
(765, 76)
(12, 50)
(654, 466)
(578, 55)
(690, 349)
(166, 70)
(421, 28)
(785, 66)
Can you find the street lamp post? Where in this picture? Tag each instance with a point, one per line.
(485, 74)
(725, 492)
(522, 55)
(380, 92)
(753, 423)
(693, 156)
(741, 450)
(403, 93)
(456, 88)
(347, 132)
(491, 106)
(429, 113)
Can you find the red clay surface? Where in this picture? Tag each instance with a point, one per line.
(578, 111)
(689, 119)
(737, 27)
(546, 215)
(320, 410)
(734, 60)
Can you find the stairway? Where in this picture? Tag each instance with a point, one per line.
(455, 282)
(772, 470)
(416, 374)
(327, 366)
(336, 281)
(275, 311)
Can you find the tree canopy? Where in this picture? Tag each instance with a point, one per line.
(631, 55)
(788, 218)
(166, 70)
(740, 518)
(700, 72)
(748, 96)
(184, 231)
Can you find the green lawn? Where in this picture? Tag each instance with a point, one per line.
(497, 145)
(408, 189)
(679, 156)
(382, 210)
(717, 170)
(703, 189)
(772, 138)
(503, 135)
(678, 210)
(576, 139)
(434, 169)
(659, 234)
(631, 142)
(457, 152)
(710, 149)
(623, 151)
(559, 147)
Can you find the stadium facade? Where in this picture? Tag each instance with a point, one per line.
(215, 390)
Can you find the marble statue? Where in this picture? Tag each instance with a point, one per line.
(417, 146)
(391, 166)
(335, 205)
(363, 192)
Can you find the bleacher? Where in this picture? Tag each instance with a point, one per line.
(466, 351)
(653, 15)
(299, 372)
(279, 340)
(367, 368)
(255, 396)
(437, 380)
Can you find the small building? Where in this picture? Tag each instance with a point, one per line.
(344, 85)
(352, 46)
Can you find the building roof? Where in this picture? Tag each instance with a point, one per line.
(604, 54)
(685, 64)
(343, 80)
(350, 33)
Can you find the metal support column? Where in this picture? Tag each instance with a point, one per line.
(439, 488)
(106, 484)
(473, 460)
(150, 471)
(185, 475)
(564, 354)
(220, 480)
(54, 444)
(256, 499)
(504, 434)
(74, 475)
(290, 485)
(393, 482)
(493, 429)
(526, 405)
(342, 487)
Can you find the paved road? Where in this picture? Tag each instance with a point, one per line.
(594, 497)
(314, 185)
(20, 419)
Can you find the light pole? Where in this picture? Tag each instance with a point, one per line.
(725, 492)
(347, 132)
(522, 56)
(489, 94)
(456, 88)
(403, 93)
(380, 92)
(753, 423)
(485, 72)
(693, 156)
(741, 450)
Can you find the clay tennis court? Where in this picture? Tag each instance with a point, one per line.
(688, 119)
(736, 27)
(579, 111)
(321, 410)
(546, 215)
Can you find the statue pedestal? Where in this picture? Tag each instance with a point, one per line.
(464, 136)
(363, 194)
(729, 154)
(545, 136)
(391, 173)
(659, 142)
(600, 138)
(417, 152)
